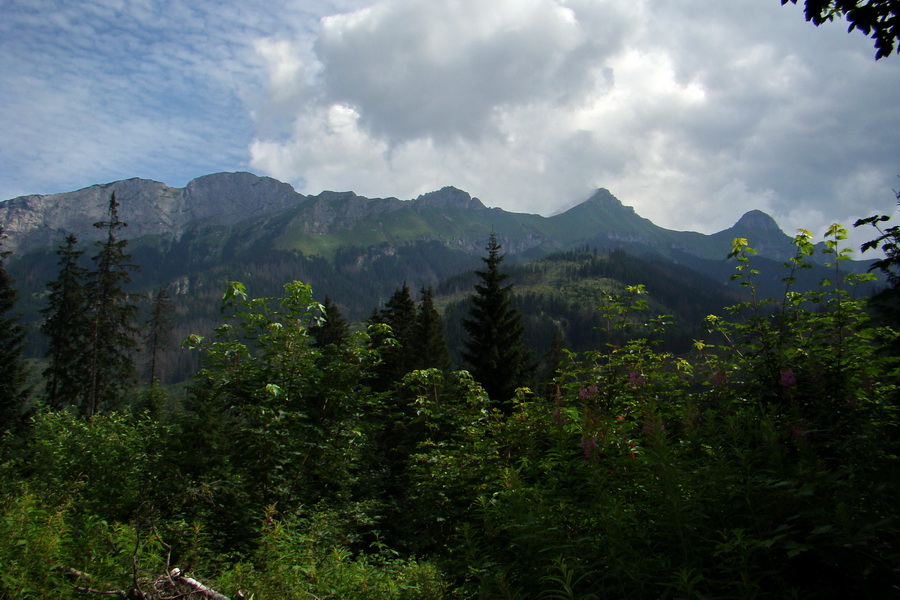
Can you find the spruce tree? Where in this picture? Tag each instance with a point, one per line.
(495, 348)
(334, 330)
(159, 331)
(13, 373)
(400, 314)
(112, 315)
(430, 340)
(66, 328)
(157, 336)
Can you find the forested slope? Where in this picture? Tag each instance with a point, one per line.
(293, 469)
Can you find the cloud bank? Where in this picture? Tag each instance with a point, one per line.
(692, 111)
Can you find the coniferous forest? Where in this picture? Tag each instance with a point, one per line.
(753, 455)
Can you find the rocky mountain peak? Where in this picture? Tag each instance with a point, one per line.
(330, 196)
(757, 220)
(762, 233)
(604, 198)
(450, 197)
(450, 215)
(601, 202)
(226, 198)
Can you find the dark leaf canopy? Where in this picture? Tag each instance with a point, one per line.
(13, 374)
(878, 19)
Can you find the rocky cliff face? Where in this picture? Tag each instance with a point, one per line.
(331, 212)
(228, 198)
(148, 207)
(32, 222)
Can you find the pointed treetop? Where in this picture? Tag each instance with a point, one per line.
(495, 348)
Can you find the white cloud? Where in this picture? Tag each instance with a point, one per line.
(441, 70)
(693, 111)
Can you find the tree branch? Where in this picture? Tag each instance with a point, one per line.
(182, 586)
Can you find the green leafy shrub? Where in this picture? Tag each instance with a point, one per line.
(302, 556)
(767, 455)
(107, 466)
(31, 539)
(273, 420)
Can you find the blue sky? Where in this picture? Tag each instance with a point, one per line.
(692, 111)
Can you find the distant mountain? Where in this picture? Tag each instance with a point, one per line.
(261, 208)
(149, 207)
(220, 223)
(358, 250)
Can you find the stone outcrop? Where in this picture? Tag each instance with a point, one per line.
(148, 207)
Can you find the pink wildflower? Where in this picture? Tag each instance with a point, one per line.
(635, 379)
(588, 392)
(788, 379)
(587, 445)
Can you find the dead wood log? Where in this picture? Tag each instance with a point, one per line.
(198, 588)
(173, 582)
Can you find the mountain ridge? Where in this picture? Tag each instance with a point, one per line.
(227, 199)
(239, 226)
(357, 250)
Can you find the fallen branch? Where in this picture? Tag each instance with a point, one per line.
(173, 582)
(197, 587)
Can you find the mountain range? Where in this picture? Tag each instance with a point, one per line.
(262, 208)
(238, 226)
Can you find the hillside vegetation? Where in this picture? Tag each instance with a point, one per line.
(759, 461)
(560, 296)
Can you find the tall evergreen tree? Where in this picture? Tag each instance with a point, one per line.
(112, 315)
(495, 348)
(334, 330)
(66, 328)
(400, 314)
(430, 340)
(159, 330)
(13, 373)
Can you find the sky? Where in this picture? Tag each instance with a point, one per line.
(691, 111)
